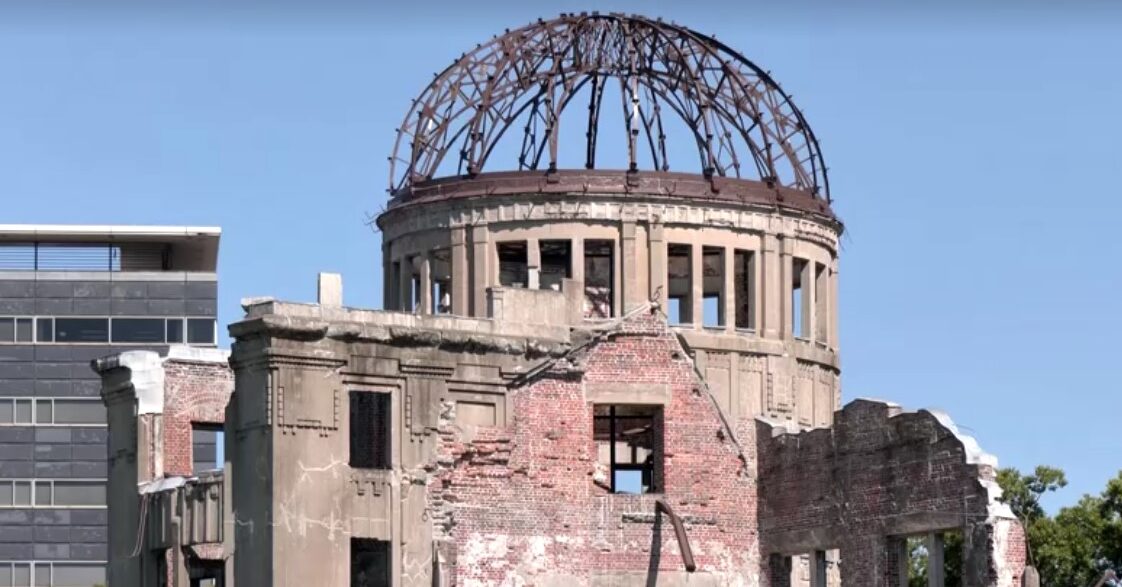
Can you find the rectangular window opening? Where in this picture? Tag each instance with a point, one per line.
(44, 330)
(395, 287)
(925, 553)
(629, 444)
(799, 317)
(744, 284)
(370, 563)
(81, 330)
(139, 330)
(175, 330)
(679, 284)
(821, 299)
(207, 443)
(557, 262)
(371, 423)
(513, 264)
(599, 279)
(200, 331)
(713, 287)
(441, 271)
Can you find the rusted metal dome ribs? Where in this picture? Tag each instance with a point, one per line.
(519, 85)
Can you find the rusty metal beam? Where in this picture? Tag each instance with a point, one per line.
(680, 532)
(523, 80)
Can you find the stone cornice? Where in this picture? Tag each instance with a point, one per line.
(397, 222)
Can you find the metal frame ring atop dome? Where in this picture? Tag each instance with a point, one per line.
(743, 124)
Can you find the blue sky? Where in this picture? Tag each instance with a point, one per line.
(973, 155)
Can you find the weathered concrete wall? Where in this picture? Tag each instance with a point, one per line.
(527, 504)
(288, 430)
(880, 474)
(152, 402)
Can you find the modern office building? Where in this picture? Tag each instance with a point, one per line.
(70, 294)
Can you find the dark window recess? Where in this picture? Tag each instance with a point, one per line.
(370, 430)
(679, 283)
(200, 331)
(370, 563)
(81, 330)
(629, 443)
(7, 329)
(599, 279)
(556, 260)
(175, 330)
(138, 330)
(513, 269)
(206, 447)
(45, 330)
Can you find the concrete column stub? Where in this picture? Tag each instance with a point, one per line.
(771, 290)
(632, 297)
(481, 268)
(533, 263)
(728, 289)
(461, 281)
(425, 283)
(697, 285)
(658, 269)
(405, 284)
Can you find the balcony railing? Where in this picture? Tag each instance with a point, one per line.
(38, 256)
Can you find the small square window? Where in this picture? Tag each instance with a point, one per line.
(43, 493)
(22, 493)
(23, 411)
(175, 330)
(629, 443)
(200, 331)
(44, 412)
(44, 330)
(207, 446)
(23, 330)
(42, 575)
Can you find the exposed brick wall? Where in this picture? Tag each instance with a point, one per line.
(194, 392)
(523, 506)
(879, 473)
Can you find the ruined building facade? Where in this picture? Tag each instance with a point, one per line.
(581, 377)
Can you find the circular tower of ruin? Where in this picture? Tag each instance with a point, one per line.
(616, 160)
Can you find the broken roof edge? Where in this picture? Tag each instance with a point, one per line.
(311, 322)
(973, 455)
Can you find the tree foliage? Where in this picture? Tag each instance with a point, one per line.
(1069, 549)
(1080, 541)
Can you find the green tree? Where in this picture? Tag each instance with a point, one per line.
(1023, 492)
(1080, 541)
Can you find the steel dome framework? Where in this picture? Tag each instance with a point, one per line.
(743, 124)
